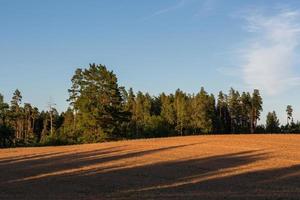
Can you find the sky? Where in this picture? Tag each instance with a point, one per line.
(153, 46)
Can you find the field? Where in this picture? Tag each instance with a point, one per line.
(193, 167)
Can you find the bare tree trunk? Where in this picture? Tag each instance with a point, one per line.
(252, 121)
(51, 124)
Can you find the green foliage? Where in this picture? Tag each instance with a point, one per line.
(256, 108)
(97, 102)
(289, 113)
(272, 123)
(101, 110)
(168, 111)
(155, 127)
(6, 136)
(54, 140)
(181, 111)
(244, 110)
(203, 112)
(222, 114)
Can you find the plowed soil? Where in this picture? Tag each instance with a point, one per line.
(193, 167)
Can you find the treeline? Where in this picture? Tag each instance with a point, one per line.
(24, 125)
(101, 110)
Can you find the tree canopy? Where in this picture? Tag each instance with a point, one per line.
(100, 110)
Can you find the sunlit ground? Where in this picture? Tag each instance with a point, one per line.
(194, 167)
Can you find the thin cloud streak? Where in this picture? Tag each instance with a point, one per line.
(206, 6)
(270, 57)
(178, 5)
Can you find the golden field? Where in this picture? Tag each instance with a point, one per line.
(191, 167)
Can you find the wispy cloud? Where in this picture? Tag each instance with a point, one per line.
(206, 7)
(173, 7)
(269, 58)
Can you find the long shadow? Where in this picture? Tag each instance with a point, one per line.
(213, 177)
(24, 169)
(208, 178)
(280, 183)
(161, 180)
(5, 161)
(54, 158)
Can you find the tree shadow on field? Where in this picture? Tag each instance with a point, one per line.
(45, 164)
(213, 183)
(5, 161)
(107, 174)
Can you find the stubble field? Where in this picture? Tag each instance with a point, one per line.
(193, 167)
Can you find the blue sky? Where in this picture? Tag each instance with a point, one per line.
(153, 46)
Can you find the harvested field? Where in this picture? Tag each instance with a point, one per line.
(193, 167)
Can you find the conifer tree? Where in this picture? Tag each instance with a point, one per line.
(272, 122)
(180, 105)
(256, 109)
(289, 113)
(95, 95)
(203, 112)
(16, 113)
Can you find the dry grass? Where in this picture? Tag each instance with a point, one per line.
(194, 167)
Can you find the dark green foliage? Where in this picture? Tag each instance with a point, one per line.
(98, 104)
(101, 110)
(244, 111)
(6, 136)
(203, 112)
(289, 113)
(168, 112)
(272, 123)
(181, 111)
(256, 108)
(155, 127)
(222, 112)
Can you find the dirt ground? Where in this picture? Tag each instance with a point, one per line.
(193, 167)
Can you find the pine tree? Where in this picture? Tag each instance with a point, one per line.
(130, 106)
(95, 95)
(223, 114)
(28, 132)
(234, 107)
(203, 112)
(6, 132)
(289, 113)
(168, 112)
(256, 109)
(272, 122)
(246, 112)
(181, 105)
(3, 111)
(16, 114)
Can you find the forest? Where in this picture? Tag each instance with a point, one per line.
(102, 110)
